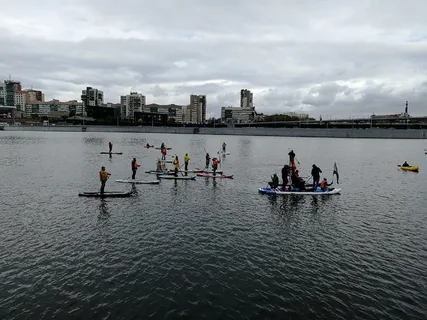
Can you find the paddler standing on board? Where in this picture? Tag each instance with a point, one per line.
(134, 165)
(103, 177)
(186, 159)
(176, 165)
(208, 160)
(223, 147)
(285, 175)
(215, 162)
(291, 155)
(163, 151)
(110, 146)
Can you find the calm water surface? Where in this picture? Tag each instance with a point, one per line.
(209, 249)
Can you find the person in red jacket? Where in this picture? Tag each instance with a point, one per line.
(215, 162)
(134, 165)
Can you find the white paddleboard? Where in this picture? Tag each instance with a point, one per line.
(138, 181)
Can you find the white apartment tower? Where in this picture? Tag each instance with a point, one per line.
(246, 99)
(131, 103)
(196, 111)
(91, 97)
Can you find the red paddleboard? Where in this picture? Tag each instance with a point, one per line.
(210, 175)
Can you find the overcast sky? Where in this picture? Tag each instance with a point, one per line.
(321, 57)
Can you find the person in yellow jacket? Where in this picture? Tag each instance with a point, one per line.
(186, 159)
(176, 165)
(103, 177)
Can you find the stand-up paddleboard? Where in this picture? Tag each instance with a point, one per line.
(172, 177)
(138, 181)
(111, 194)
(165, 161)
(192, 171)
(165, 148)
(148, 147)
(211, 175)
(279, 191)
(111, 153)
(158, 172)
(225, 153)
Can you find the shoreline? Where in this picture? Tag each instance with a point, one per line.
(248, 131)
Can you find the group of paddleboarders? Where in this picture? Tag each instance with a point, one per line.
(297, 183)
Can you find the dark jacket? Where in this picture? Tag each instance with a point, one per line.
(315, 172)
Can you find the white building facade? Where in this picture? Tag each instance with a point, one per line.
(131, 103)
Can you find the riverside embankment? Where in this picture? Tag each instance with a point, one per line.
(373, 133)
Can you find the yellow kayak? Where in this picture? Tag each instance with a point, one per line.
(410, 168)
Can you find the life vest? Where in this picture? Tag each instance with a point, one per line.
(176, 164)
(164, 151)
(215, 162)
(186, 159)
(159, 165)
(323, 184)
(134, 165)
(103, 175)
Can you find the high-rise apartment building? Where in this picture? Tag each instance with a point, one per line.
(196, 111)
(246, 99)
(91, 98)
(131, 103)
(34, 95)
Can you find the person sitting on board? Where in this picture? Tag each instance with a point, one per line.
(285, 175)
(103, 177)
(163, 151)
(176, 165)
(110, 146)
(134, 165)
(147, 145)
(223, 147)
(274, 182)
(324, 185)
(215, 162)
(405, 164)
(315, 173)
(159, 166)
(186, 159)
(208, 160)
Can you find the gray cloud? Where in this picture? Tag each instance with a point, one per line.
(324, 58)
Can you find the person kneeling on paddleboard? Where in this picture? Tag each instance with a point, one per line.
(324, 184)
(159, 166)
(134, 165)
(274, 181)
(215, 162)
(103, 177)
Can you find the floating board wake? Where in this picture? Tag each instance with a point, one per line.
(279, 191)
(165, 148)
(112, 153)
(165, 176)
(211, 175)
(114, 194)
(139, 181)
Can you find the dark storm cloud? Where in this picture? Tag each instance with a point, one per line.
(311, 56)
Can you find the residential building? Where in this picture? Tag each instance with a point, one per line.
(246, 99)
(237, 114)
(173, 111)
(46, 109)
(196, 111)
(34, 95)
(131, 103)
(2, 94)
(91, 98)
(19, 98)
(10, 87)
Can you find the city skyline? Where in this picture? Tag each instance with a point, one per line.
(318, 57)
